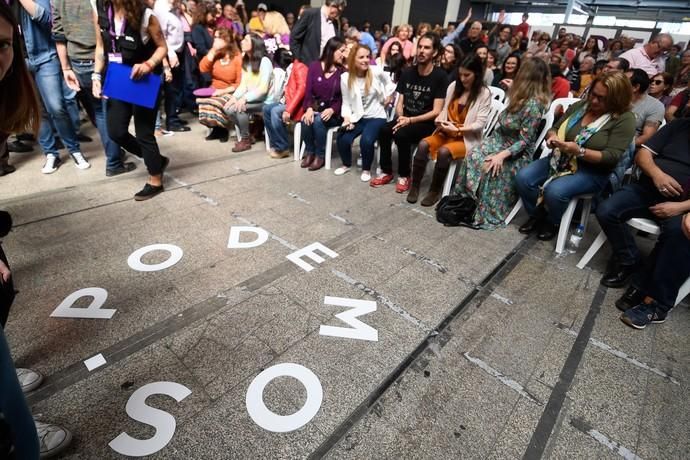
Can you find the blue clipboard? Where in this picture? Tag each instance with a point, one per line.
(119, 85)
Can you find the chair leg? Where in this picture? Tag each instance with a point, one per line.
(297, 142)
(683, 291)
(329, 146)
(450, 177)
(266, 139)
(566, 220)
(593, 249)
(515, 211)
(586, 212)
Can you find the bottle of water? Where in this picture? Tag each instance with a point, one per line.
(576, 238)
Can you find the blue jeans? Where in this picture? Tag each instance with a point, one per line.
(560, 191)
(14, 409)
(113, 152)
(314, 135)
(277, 132)
(369, 129)
(633, 200)
(54, 92)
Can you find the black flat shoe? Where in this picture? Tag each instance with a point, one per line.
(529, 226)
(19, 147)
(179, 129)
(148, 192)
(630, 299)
(125, 168)
(619, 277)
(547, 231)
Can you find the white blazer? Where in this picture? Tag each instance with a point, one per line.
(476, 118)
(381, 85)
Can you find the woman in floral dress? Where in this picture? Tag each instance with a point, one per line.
(488, 172)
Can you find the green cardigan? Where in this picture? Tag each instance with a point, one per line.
(612, 140)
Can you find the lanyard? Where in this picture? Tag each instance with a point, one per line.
(111, 20)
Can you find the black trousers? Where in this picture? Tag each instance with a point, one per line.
(406, 138)
(172, 90)
(144, 144)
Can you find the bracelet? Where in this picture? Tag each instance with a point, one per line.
(96, 76)
(148, 66)
(66, 69)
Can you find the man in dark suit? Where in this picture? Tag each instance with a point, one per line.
(314, 28)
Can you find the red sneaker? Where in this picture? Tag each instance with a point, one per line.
(382, 179)
(403, 184)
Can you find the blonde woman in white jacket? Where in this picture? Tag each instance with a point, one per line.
(458, 128)
(365, 89)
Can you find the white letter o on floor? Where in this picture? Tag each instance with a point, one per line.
(271, 421)
(134, 260)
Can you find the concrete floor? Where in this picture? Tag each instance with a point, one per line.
(488, 345)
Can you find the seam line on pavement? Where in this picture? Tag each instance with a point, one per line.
(479, 293)
(547, 421)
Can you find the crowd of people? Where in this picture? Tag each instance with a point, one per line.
(428, 91)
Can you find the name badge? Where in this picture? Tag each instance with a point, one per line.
(115, 57)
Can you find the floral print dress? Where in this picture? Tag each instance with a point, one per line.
(495, 196)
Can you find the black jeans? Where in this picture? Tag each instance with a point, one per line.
(633, 200)
(406, 138)
(667, 267)
(144, 144)
(172, 91)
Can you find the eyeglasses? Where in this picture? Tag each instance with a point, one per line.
(657, 82)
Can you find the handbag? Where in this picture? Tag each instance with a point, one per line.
(455, 210)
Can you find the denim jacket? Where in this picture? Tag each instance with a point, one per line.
(40, 47)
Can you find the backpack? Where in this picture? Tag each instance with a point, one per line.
(455, 210)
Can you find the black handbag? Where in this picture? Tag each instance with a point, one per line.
(456, 210)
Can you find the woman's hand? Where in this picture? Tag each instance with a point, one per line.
(551, 139)
(569, 148)
(241, 105)
(347, 124)
(668, 209)
(327, 114)
(140, 70)
(686, 225)
(493, 164)
(96, 88)
(450, 128)
(286, 117)
(167, 74)
(308, 117)
(507, 82)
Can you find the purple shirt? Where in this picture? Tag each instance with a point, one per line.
(322, 90)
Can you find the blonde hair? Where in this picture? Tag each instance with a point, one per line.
(274, 23)
(619, 97)
(533, 81)
(352, 74)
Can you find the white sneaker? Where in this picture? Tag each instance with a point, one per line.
(29, 379)
(365, 177)
(342, 170)
(52, 164)
(80, 161)
(52, 438)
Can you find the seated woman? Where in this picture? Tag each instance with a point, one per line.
(488, 172)
(257, 71)
(450, 60)
(278, 114)
(504, 78)
(588, 141)
(224, 63)
(365, 91)
(483, 52)
(322, 102)
(660, 88)
(458, 128)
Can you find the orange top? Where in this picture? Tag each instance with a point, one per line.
(224, 72)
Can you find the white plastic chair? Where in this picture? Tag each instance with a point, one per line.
(299, 146)
(549, 118)
(497, 93)
(646, 225)
(567, 218)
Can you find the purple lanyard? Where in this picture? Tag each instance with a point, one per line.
(111, 20)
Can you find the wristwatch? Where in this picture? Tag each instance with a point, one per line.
(582, 152)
